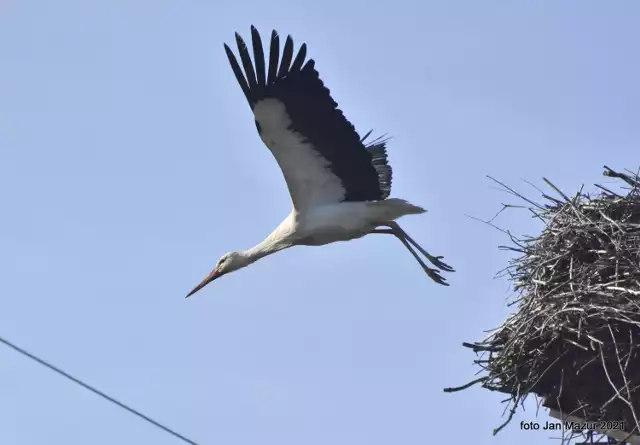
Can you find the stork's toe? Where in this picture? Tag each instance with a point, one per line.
(435, 276)
(440, 264)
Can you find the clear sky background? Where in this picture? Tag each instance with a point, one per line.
(129, 162)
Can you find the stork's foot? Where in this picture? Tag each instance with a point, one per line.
(434, 274)
(435, 260)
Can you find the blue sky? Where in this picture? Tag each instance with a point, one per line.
(129, 163)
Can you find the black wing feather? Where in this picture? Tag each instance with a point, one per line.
(238, 72)
(274, 55)
(380, 160)
(297, 63)
(287, 54)
(258, 56)
(246, 62)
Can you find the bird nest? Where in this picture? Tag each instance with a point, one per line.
(574, 340)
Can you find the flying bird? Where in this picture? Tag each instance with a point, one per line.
(339, 183)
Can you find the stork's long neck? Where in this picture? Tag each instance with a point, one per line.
(278, 240)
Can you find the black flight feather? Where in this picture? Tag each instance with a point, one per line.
(274, 55)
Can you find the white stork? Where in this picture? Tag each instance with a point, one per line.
(339, 185)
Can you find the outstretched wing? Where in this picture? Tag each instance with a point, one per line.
(322, 157)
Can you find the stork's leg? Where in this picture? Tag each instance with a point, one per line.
(435, 260)
(432, 273)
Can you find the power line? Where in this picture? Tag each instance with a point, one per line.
(96, 391)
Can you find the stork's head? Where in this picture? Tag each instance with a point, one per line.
(227, 263)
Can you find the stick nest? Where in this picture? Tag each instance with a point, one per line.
(575, 337)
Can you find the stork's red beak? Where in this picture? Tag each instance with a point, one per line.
(212, 276)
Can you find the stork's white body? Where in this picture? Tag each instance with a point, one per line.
(329, 223)
(339, 186)
(342, 221)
